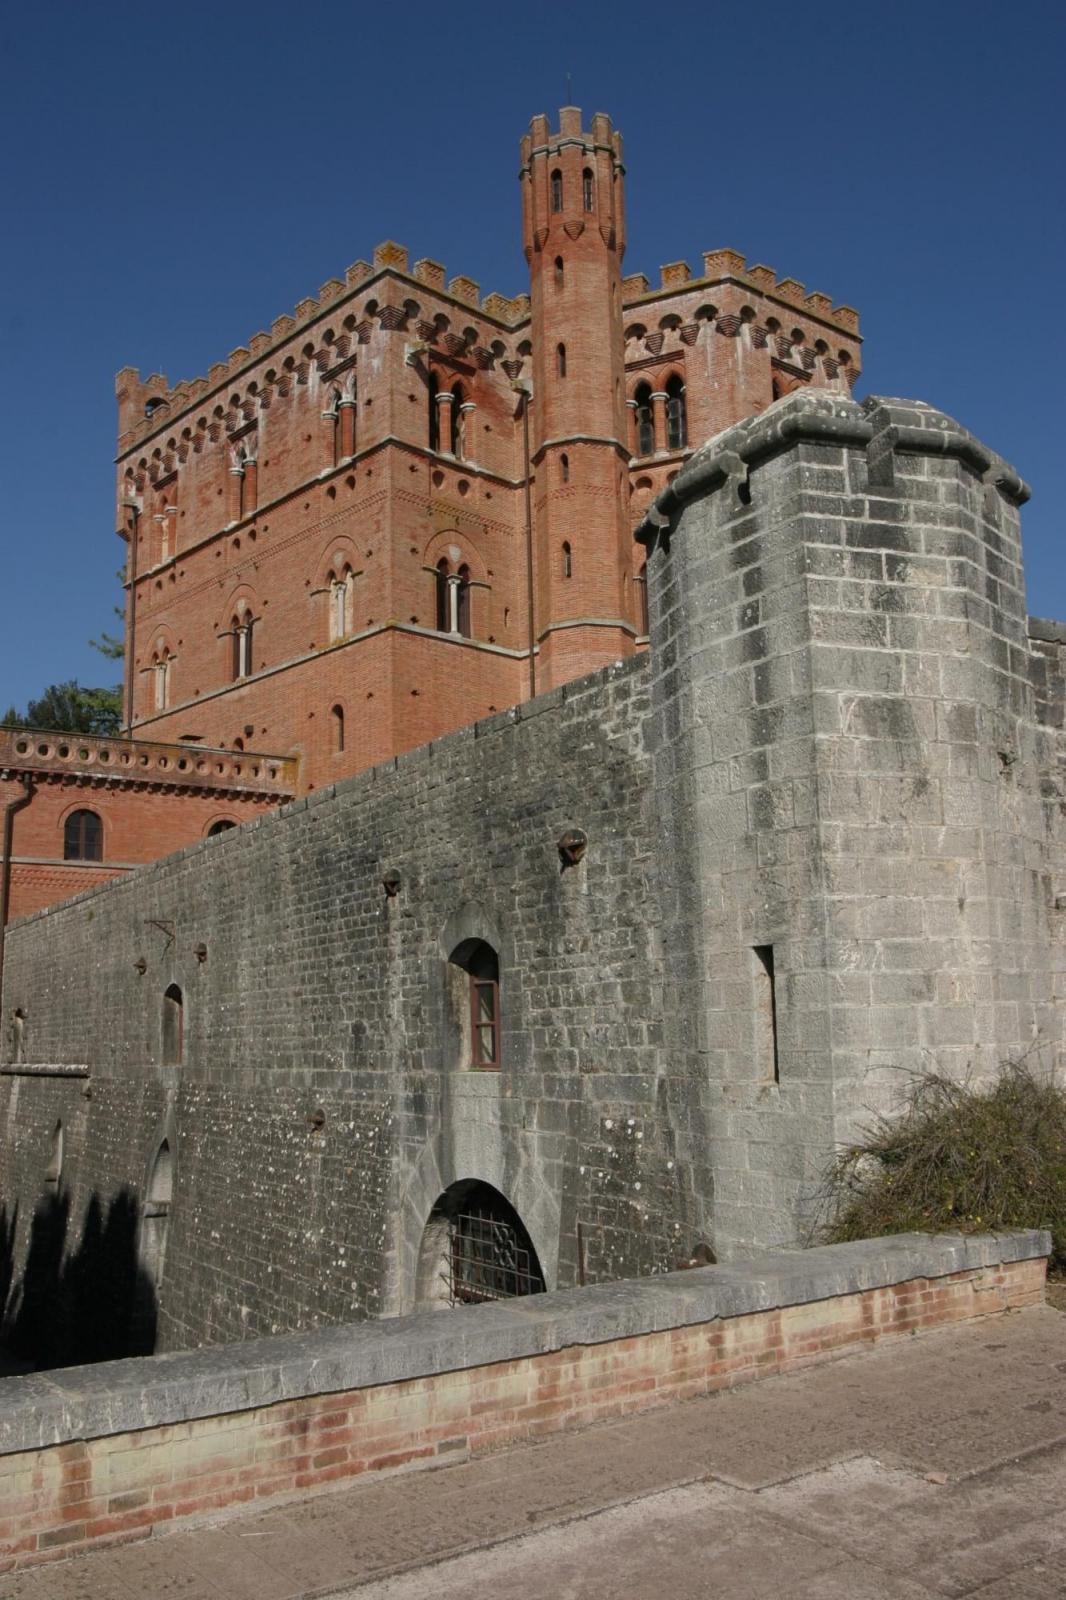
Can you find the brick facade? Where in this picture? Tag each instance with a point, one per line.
(382, 430)
(392, 514)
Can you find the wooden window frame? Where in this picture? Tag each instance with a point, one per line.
(478, 1061)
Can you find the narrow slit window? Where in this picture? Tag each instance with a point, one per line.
(173, 1027)
(434, 420)
(557, 190)
(568, 560)
(564, 468)
(444, 624)
(337, 721)
(766, 1013)
(558, 272)
(560, 360)
(587, 192)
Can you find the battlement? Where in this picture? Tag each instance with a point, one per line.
(541, 137)
(115, 762)
(145, 404)
(730, 266)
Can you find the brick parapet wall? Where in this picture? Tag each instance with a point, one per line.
(91, 1457)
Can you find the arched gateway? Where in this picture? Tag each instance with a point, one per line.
(475, 1248)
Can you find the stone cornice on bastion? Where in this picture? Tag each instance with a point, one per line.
(879, 426)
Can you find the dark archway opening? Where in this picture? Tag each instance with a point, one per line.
(475, 1248)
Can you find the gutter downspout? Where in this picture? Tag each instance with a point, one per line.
(5, 864)
(529, 548)
(131, 630)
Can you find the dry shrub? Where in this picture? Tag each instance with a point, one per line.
(959, 1158)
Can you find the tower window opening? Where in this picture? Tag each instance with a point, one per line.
(340, 603)
(434, 421)
(242, 647)
(336, 718)
(564, 468)
(560, 360)
(457, 421)
(676, 419)
(557, 190)
(462, 603)
(558, 272)
(161, 674)
(173, 1027)
(587, 193)
(766, 1013)
(443, 593)
(645, 422)
(642, 598)
(568, 560)
(83, 837)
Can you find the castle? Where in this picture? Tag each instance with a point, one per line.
(532, 989)
(405, 507)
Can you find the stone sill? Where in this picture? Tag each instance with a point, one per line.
(41, 1069)
(77, 1403)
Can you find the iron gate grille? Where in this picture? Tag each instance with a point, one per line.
(488, 1260)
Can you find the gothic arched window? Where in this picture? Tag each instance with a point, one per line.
(557, 190)
(676, 419)
(645, 421)
(587, 193)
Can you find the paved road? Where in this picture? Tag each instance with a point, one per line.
(934, 1466)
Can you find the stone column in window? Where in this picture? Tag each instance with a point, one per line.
(347, 427)
(465, 431)
(162, 535)
(250, 493)
(658, 403)
(236, 485)
(454, 583)
(445, 400)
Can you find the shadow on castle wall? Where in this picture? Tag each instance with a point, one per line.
(71, 1306)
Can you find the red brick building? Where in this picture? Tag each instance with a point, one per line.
(408, 505)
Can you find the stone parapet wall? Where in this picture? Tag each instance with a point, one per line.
(88, 1457)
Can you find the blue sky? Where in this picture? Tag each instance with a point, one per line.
(173, 178)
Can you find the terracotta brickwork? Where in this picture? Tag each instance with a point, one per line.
(407, 505)
(56, 1501)
(377, 442)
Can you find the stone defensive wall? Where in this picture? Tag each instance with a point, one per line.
(92, 1457)
(736, 894)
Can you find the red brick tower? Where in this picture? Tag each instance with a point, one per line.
(574, 239)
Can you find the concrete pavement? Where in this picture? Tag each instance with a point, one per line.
(931, 1466)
